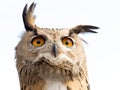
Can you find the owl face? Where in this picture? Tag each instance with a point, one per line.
(52, 45)
(50, 50)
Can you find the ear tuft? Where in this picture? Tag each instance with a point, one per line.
(28, 17)
(83, 29)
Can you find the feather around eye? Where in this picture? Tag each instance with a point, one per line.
(38, 41)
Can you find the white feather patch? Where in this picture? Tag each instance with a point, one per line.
(55, 85)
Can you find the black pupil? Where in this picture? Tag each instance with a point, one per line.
(38, 42)
(66, 43)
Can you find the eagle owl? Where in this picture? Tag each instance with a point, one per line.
(51, 58)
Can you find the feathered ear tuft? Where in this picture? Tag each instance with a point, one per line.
(83, 29)
(28, 17)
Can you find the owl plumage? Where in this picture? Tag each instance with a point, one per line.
(51, 58)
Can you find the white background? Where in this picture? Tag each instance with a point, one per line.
(102, 52)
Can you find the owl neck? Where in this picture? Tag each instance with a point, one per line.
(56, 84)
(34, 77)
(37, 83)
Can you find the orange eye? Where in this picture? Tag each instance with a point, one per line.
(67, 42)
(38, 41)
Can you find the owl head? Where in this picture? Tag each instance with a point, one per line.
(51, 49)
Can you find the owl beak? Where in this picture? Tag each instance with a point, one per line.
(54, 50)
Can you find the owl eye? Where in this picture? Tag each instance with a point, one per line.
(67, 41)
(38, 41)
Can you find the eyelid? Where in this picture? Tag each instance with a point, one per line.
(68, 37)
(39, 36)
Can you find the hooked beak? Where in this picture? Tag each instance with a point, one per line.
(54, 50)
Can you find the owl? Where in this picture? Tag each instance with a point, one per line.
(51, 58)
